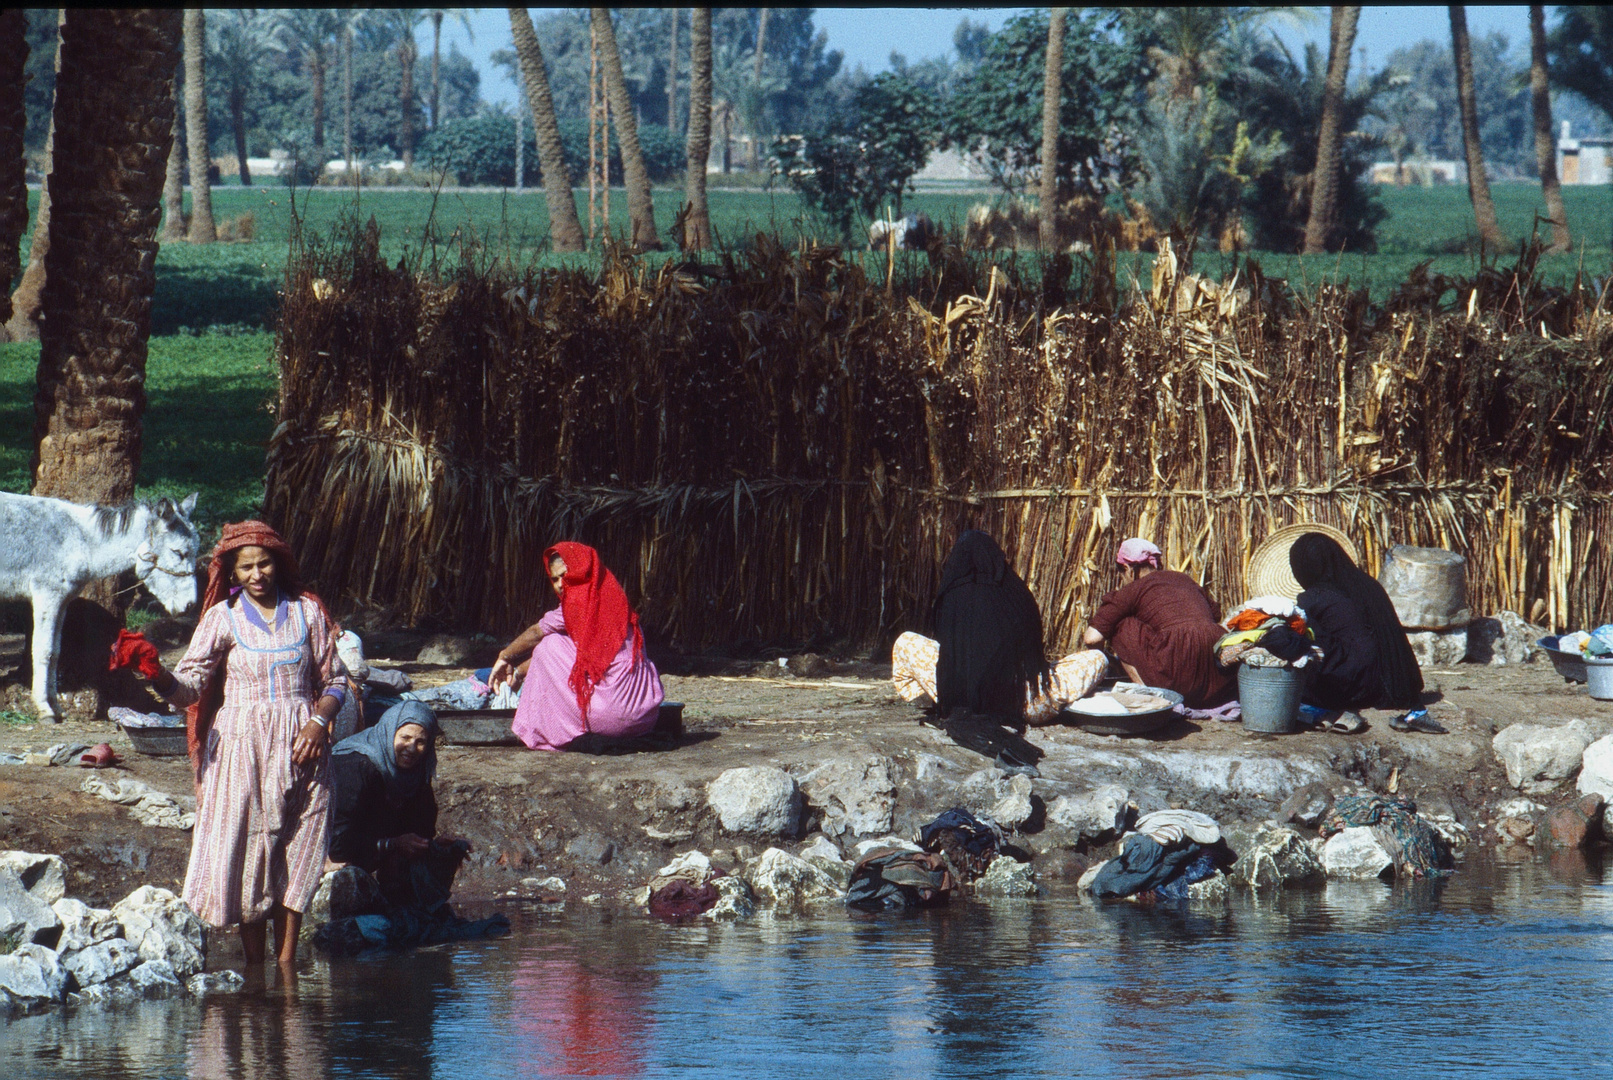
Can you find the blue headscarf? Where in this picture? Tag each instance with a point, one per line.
(376, 744)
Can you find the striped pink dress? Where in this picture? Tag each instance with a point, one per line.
(262, 825)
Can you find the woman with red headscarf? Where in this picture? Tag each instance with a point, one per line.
(263, 685)
(1162, 628)
(587, 671)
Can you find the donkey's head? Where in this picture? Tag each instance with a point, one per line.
(166, 560)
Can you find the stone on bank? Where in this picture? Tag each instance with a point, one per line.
(758, 800)
(1538, 758)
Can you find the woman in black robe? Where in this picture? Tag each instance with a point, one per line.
(990, 633)
(1367, 661)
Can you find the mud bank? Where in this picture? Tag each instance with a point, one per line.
(603, 821)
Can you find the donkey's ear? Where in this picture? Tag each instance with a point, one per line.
(187, 505)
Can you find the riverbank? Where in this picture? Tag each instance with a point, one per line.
(602, 822)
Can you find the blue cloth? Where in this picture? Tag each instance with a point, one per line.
(1143, 864)
(375, 743)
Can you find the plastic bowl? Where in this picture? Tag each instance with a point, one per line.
(1570, 665)
(1131, 723)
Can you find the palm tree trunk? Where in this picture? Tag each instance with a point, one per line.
(406, 100)
(1052, 93)
(640, 207)
(13, 125)
(25, 301)
(436, 78)
(697, 225)
(565, 228)
(672, 75)
(238, 126)
(1325, 178)
(761, 52)
(1478, 185)
(347, 99)
(1545, 138)
(173, 184)
(201, 159)
(114, 122)
(317, 65)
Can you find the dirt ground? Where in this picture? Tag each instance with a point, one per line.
(603, 821)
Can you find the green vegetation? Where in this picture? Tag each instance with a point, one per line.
(208, 421)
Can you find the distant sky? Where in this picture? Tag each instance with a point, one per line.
(868, 36)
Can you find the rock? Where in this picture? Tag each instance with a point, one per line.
(734, 899)
(102, 963)
(821, 847)
(1013, 807)
(82, 925)
(1440, 812)
(1084, 885)
(1576, 824)
(1354, 853)
(447, 650)
(1438, 648)
(24, 917)
(1307, 806)
(591, 849)
(45, 876)
(857, 797)
(163, 928)
(1516, 829)
(33, 973)
(155, 978)
(1505, 638)
(1097, 816)
(107, 993)
(860, 852)
(1538, 758)
(214, 982)
(826, 857)
(784, 881)
(1596, 769)
(808, 665)
(343, 894)
(1215, 889)
(1007, 876)
(1518, 807)
(756, 799)
(1277, 857)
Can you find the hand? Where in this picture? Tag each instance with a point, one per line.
(133, 650)
(310, 743)
(451, 838)
(502, 672)
(409, 845)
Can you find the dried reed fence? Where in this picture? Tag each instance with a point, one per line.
(780, 447)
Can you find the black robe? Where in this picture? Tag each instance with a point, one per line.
(989, 630)
(362, 816)
(1368, 661)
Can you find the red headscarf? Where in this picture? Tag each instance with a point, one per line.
(598, 617)
(199, 717)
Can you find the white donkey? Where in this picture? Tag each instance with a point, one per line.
(50, 549)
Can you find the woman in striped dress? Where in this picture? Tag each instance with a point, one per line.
(263, 682)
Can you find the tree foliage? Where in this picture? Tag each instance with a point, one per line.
(480, 150)
(1581, 50)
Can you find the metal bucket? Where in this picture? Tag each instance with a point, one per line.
(1269, 698)
(1599, 678)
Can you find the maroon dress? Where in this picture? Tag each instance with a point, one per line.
(1165, 627)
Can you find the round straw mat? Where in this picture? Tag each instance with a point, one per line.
(1269, 573)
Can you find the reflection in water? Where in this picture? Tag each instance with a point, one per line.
(1432, 978)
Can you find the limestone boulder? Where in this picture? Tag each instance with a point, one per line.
(82, 925)
(787, 882)
(823, 854)
(102, 962)
(758, 800)
(1013, 806)
(156, 978)
(214, 982)
(164, 929)
(1215, 889)
(856, 795)
(1277, 857)
(1096, 816)
(1306, 806)
(1504, 638)
(1596, 769)
(1438, 648)
(1537, 757)
(45, 876)
(33, 973)
(25, 918)
(341, 894)
(1355, 854)
(1007, 876)
(734, 899)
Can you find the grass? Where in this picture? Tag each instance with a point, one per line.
(207, 422)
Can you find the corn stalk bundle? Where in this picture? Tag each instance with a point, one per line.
(781, 447)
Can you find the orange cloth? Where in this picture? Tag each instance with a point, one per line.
(1252, 618)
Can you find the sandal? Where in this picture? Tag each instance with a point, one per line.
(1346, 723)
(1418, 720)
(100, 756)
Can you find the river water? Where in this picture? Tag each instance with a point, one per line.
(1502, 970)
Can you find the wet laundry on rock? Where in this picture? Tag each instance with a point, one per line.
(969, 845)
(1417, 848)
(891, 880)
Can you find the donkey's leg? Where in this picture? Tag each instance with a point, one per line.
(49, 613)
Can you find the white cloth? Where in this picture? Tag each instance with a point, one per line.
(146, 803)
(1170, 828)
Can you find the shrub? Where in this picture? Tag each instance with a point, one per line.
(481, 150)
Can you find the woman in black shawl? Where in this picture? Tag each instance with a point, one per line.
(1367, 660)
(990, 633)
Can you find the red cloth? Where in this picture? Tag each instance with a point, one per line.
(598, 617)
(133, 650)
(1165, 627)
(288, 578)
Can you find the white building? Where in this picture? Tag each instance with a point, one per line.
(1584, 161)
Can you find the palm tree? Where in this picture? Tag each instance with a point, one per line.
(1545, 140)
(759, 93)
(672, 73)
(1478, 185)
(114, 119)
(13, 125)
(311, 33)
(242, 41)
(697, 226)
(201, 158)
(1325, 180)
(352, 20)
(25, 300)
(173, 184)
(399, 24)
(1052, 93)
(640, 207)
(436, 15)
(565, 228)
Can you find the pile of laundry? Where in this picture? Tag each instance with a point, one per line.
(465, 695)
(1166, 851)
(1417, 848)
(148, 805)
(1267, 631)
(1589, 643)
(958, 848)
